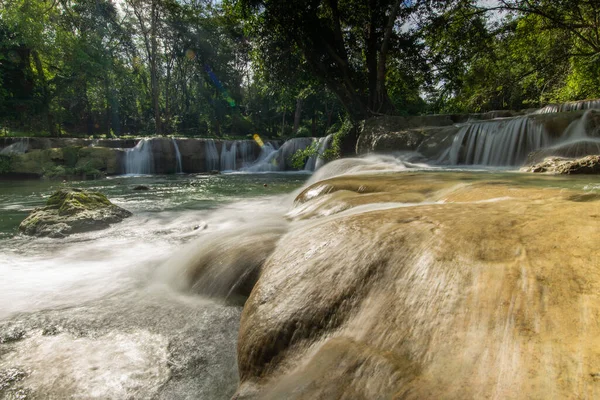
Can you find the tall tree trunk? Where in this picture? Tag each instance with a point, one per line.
(371, 57)
(384, 103)
(314, 124)
(283, 124)
(89, 122)
(167, 98)
(45, 93)
(329, 113)
(297, 114)
(153, 66)
(107, 95)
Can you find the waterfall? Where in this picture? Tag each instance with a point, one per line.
(316, 161)
(228, 157)
(179, 168)
(246, 152)
(139, 160)
(570, 106)
(266, 161)
(212, 155)
(498, 142)
(580, 138)
(18, 147)
(272, 159)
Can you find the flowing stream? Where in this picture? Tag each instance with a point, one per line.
(97, 315)
(150, 308)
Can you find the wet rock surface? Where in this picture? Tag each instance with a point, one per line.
(566, 166)
(471, 291)
(71, 211)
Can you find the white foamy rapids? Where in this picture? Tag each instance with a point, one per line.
(370, 164)
(139, 160)
(84, 267)
(117, 365)
(225, 263)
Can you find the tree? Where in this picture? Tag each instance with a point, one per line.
(344, 44)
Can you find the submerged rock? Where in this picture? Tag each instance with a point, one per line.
(141, 187)
(566, 166)
(473, 291)
(71, 211)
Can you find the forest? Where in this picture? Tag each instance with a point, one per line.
(232, 68)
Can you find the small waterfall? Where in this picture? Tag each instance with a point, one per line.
(228, 157)
(570, 106)
(212, 155)
(581, 128)
(139, 160)
(19, 147)
(317, 161)
(246, 152)
(499, 142)
(272, 159)
(179, 168)
(581, 138)
(266, 161)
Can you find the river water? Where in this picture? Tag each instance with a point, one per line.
(96, 316)
(111, 314)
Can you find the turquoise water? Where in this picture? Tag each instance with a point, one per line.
(167, 193)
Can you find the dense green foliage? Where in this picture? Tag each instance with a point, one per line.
(283, 68)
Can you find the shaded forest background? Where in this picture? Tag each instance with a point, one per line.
(283, 68)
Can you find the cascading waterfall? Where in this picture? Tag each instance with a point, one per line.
(570, 106)
(580, 138)
(228, 157)
(272, 159)
(212, 155)
(246, 150)
(139, 160)
(498, 142)
(179, 168)
(19, 147)
(317, 161)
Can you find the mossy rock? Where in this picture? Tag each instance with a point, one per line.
(99, 158)
(65, 163)
(71, 211)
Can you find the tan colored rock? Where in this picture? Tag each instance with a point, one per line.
(566, 166)
(484, 289)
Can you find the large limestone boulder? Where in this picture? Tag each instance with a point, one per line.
(67, 162)
(480, 289)
(71, 211)
(566, 166)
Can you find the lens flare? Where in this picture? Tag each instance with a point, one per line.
(190, 54)
(258, 140)
(219, 85)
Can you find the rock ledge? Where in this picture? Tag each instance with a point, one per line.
(566, 166)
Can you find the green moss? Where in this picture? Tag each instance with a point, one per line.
(5, 164)
(70, 155)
